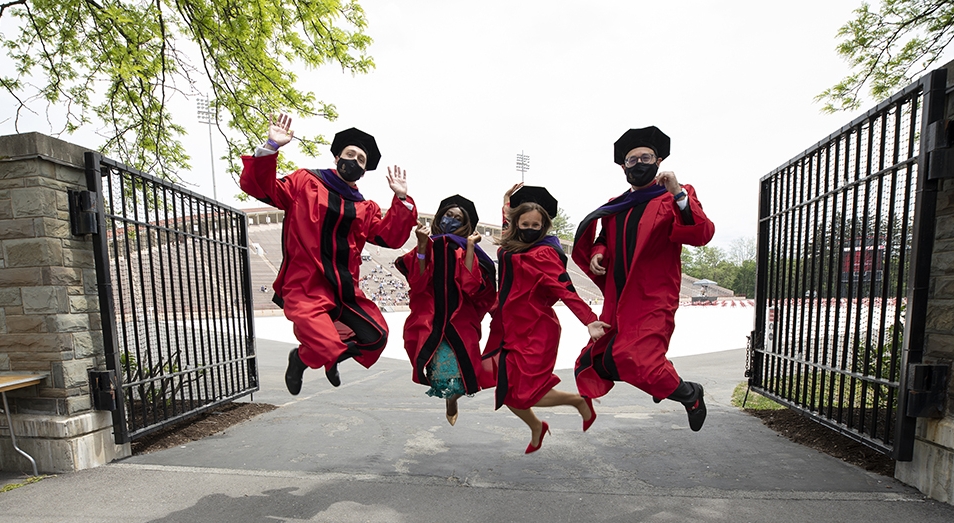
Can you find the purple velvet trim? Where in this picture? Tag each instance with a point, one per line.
(552, 241)
(462, 242)
(336, 184)
(631, 198)
(625, 201)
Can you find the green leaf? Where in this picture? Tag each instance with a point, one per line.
(116, 65)
(888, 48)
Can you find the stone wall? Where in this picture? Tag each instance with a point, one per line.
(932, 469)
(49, 310)
(940, 312)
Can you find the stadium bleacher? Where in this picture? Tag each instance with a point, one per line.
(381, 281)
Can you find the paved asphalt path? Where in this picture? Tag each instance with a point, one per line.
(377, 449)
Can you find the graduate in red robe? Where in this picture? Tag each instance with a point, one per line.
(327, 222)
(524, 330)
(452, 286)
(635, 259)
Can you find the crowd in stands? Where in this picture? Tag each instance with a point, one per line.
(384, 288)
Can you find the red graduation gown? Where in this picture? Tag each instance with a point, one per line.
(524, 331)
(642, 310)
(322, 238)
(447, 302)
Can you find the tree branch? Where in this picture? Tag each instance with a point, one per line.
(162, 81)
(3, 7)
(98, 60)
(876, 50)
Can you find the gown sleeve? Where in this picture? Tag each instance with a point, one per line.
(258, 181)
(697, 230)
(557, 281)
(408, 266)
(394, 228)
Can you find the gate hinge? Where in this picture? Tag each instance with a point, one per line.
(102, 385)
(83, 212)
(938, 146)
(927, 390)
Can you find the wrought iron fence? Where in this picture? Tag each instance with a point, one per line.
(837, 254)
(175, 295)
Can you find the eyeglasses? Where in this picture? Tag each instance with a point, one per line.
(645, 158)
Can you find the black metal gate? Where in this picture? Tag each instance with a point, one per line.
(175, 294)
(844, 250)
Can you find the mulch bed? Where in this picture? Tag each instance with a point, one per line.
(206, 424)
(804, 431)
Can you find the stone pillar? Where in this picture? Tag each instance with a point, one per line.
(49, 311)
(932, 469)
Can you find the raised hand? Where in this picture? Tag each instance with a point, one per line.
(397, 179)
(279, 129)
(668, 180)
(510, 192)
(423, 232)
(472, 241)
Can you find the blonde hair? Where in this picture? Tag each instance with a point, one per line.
(508, 239)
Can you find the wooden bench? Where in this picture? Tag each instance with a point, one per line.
(13, 381)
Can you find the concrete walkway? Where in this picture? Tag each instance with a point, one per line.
(377, 449)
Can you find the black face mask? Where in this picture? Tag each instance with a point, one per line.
(641, 174)
(529, 235)
(349, 170)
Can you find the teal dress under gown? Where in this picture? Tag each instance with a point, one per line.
(444, 373)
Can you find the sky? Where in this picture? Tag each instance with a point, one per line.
(461, 88)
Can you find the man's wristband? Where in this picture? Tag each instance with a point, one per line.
(272, 143)
(679, 195)
(403, 198)
(421, 256)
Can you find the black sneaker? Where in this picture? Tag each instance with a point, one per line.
(697, 411)
(296, 368)
(333, 377)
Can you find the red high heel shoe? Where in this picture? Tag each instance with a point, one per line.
(544, 431)
(587, 423)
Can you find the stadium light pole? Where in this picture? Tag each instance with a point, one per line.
(206, 116)
(523, 164)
